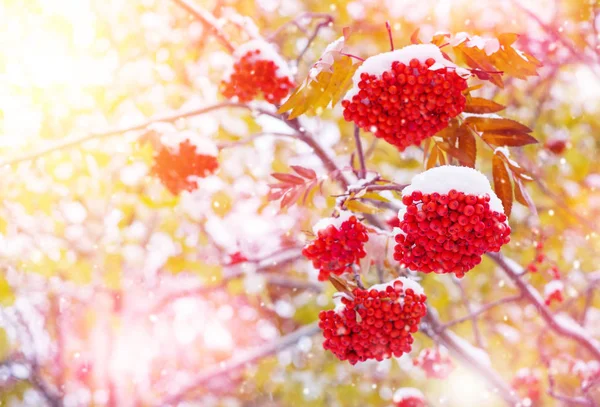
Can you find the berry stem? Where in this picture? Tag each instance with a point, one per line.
(357, 278)
(353, 56)
(359, 152)
(389, 30)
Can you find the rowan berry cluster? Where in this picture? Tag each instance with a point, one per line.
(178, 168)
(435, 363)
(251, 75)
(373, 324)
(527, 384)
(448, 233)
(336, 249)
(407, 103)
(409, 397)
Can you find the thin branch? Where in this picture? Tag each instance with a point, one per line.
(571, 401)
(440, 334)
(388, 27)
(249, 358)
(473, 317)
(572, 330)
(359, 152)
(296, 21)
(208, 20)
(319, 27)
(170, 118)
(483, 310)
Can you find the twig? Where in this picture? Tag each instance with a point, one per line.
(572, 331)
(239, 362)
(318, 28)
(171, 118)
(296, 22)
(571, 401)
(483, 310)
(359, 152)
(389, 30)
(472, 316)
(209, 22)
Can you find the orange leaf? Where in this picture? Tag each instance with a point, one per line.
(481, 105)
(454, 152)
(502, 185)
(433, 156)
(304, 172)
(496, 124)
(340, 284)
(516, 139)
(467, 144)
(414, 38)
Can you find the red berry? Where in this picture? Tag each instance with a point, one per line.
(527, 384)
(336, 249)
(405, 105)
(375, 323)
(252, 75)
(435, 363)
(409, 397)
(178, 167)
(448, 235)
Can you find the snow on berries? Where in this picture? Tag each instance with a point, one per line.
(182, 159)
(435, 362)
(553, 291)
(377, 323)
(409, 397)
(339, 245)
(407, 95)
(450, 219)
(257, 68)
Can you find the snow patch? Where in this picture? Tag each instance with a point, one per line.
(463, 179)
(267, 53)
(327, 59)
(476, 353)
(336, 222)
(406, 284)
(378, 64)
(552, 287)
(337, 301)
(204, 145)
(407, 393)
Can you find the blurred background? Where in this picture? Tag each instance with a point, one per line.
(114, 292)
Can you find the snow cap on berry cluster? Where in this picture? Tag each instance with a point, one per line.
(204, 145)
(378, 64)
(336, 222)
(407, 393)
(407, 283)
(447, 177)
(267, 53)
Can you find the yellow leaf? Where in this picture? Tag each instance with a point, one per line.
(7, 297)
(356, 206)
(314, 95)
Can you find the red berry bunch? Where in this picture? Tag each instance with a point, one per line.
(448, 233)
(553, 291)
(177, 168)
(253, 74)
(409, 397)
(337, 248)
(407, 103)
(527, 384)
(435, 364)
(375, 323)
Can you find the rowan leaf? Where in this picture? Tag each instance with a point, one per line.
(460, 155)
(496, 124)
(288, 178)
(468, 145)
(519, 192)
(304, 172)
(481, 105)
(291, 197)
(321, 88)
(516, 139)
(357, 206)
(502, 185)
(433, 157)
(414, 38)
(340, 284)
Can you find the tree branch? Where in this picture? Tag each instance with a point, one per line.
(483, 309)
(241, 361)
(209, 22)
(572, 330)
(359, 152)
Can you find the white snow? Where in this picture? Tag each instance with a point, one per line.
(480, 355)
(463, 179)
(337, 222)
(482, 115)
(378, 64)
(204, 145)
(327, 59)
(267, 53)
(337, 301)
(552, 287)
(406, 393)
(406, 284)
